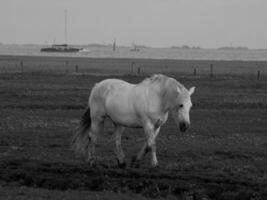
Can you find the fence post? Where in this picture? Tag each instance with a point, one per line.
(21, 66)
(76, 68)
(166, 69)
(195, 72)
(139, 70)
(132, 67)
(258, 75)
(211, 70)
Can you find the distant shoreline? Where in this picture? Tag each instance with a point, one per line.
(184, 47)
(175, 53)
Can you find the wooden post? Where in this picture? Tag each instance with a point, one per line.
(132, 67)
(139, 70)
(211, 70)
(76, 68)
(258, 75)
(21, 66)
(195, 71)
(166, 67)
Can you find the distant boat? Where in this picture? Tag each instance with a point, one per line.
(135, 48)
(62, 48)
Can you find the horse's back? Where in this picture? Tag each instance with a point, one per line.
(116, 98)
(111, 86)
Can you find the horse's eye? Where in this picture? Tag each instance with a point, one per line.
(180, 106)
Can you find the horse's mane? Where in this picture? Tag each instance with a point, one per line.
(155, 78)
(160, 78)
(168, 87)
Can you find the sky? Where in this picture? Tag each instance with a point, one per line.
(155, 23)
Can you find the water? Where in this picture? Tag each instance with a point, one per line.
(155, 53)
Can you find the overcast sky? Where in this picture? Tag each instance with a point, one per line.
(156, 23)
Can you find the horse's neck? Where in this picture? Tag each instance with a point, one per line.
(162, 90)
(168, 95)
(155, 93)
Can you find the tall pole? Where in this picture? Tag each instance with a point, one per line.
(65, 32)
(114, 45)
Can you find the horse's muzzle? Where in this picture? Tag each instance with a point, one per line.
(183, 127)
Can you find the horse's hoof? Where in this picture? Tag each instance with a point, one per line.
(154, 167)
(135, 165)
(135, 162)
(133, 159)
(91, 162)
(121, 165)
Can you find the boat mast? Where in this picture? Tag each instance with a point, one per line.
(65, 32)
(114, 45)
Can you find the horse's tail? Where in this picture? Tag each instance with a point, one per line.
(81, 138)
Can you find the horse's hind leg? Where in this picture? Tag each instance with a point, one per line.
(96, 127)
(120, 155)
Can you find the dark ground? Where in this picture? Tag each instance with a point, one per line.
(222, 156)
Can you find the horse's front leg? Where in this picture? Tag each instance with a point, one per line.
(150, 145)
(120, 155)
(154, 160)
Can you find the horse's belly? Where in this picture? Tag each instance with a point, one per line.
(123, 113)
(125, 120)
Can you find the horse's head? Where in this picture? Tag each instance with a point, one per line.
(182, 106)
(175, 99)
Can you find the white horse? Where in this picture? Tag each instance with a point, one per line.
(145, 105)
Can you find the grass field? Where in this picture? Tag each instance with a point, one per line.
(222, 156)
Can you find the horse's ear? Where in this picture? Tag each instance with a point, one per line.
(192, 90)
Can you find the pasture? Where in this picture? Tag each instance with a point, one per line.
(222, 156)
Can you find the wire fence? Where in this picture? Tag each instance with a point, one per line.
(109, 66)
